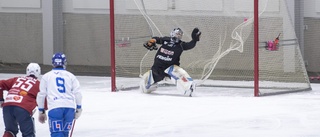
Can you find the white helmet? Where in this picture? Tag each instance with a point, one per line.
(176, 33)
(33, 69)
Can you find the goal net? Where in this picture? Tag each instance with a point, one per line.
(224, 56)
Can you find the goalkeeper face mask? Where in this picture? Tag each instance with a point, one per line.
(177, 33)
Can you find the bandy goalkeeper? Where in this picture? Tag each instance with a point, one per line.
(167, 61)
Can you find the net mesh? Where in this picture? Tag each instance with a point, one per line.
(33, 30)
(225, 52)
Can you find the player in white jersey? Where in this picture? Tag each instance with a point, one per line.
(62, 91)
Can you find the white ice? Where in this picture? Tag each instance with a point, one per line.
(212, 112)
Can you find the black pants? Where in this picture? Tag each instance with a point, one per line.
(14, 116)
(158, 73)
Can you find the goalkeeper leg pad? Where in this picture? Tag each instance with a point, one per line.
(183, 80)
(191, 90)
(147, 84)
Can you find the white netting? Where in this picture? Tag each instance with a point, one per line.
(225, 51)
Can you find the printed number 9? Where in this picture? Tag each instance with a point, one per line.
(60, 84)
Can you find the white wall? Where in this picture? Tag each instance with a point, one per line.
(290, 4)
(312, 8)
(20, 6)
(86, 6)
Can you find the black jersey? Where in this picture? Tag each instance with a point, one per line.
(170, 51)
(168, 54)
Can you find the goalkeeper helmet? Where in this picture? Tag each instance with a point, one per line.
(176, 33)
(33, 69)
(59, 60)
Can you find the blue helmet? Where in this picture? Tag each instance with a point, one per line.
(59, 59)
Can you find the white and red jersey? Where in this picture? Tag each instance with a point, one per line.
(61, 89)
(22, 92)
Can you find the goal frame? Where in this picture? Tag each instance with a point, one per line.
(256, 47)
(112, 47)
(255, 42)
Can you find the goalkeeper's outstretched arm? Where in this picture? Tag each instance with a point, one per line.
(150, 45)
(195, 35)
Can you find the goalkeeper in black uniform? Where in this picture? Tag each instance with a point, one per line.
(167, 61)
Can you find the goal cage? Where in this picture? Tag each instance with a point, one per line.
(235, 50)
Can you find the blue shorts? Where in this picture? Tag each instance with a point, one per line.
(60, 121)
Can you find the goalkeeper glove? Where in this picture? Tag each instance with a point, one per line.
(42, 116)
(151, 45)
(78, 113)
(196, 33)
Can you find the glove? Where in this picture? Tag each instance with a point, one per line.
(42, 116)
(78, 113)
(196, 33)
(151, 45)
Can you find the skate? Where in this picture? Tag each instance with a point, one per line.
(190, 91)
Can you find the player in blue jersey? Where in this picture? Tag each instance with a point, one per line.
(62, 90)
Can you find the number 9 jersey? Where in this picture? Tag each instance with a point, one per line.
(61, 88)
